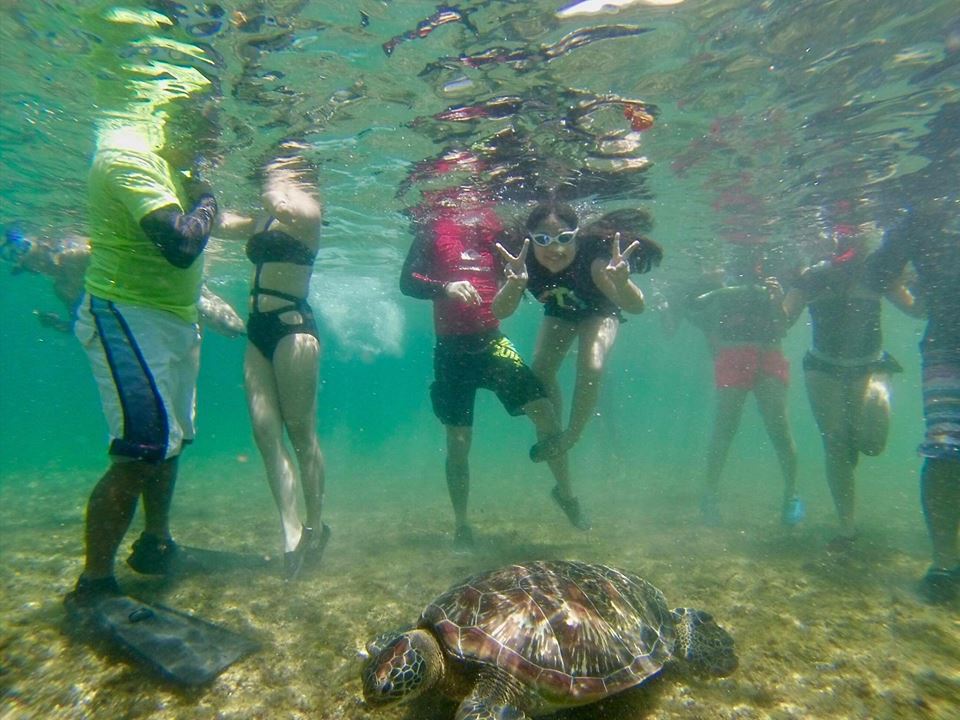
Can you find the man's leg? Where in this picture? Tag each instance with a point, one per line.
(157, 498)
(940, 493)
(940, 478)
(110, 511)
(459, 438)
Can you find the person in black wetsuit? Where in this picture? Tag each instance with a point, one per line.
(928, 238)
(847, 371)
(281, 365)
(582, 277)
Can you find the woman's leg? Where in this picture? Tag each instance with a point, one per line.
(553, 344)
(264, 405)
(597, 335)
(771, 394)
(296, 370)
(873, 424)
(830, 399)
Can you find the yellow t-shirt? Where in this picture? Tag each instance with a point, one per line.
(129, 180)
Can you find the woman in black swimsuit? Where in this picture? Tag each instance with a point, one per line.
(847, 370)
(282, 362)
(582, 277)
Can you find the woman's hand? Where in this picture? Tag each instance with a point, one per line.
(618, 269)
(515, 267)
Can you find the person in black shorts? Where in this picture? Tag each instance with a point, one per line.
(453, 262)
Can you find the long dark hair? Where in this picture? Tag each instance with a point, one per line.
(632, 224)
(563, 212)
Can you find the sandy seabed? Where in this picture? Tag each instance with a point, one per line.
(818, 635)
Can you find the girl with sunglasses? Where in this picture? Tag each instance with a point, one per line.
(582, 277)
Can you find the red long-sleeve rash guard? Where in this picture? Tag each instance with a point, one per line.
(456, 245)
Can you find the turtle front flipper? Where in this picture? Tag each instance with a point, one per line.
(480, 710)
(492, 698)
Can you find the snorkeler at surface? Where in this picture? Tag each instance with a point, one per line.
(65, 261)
(582, 277)
(454, 263)
(282, 362)
(743, 319)
(847, 371)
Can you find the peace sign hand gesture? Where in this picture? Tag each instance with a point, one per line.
(515, 267)
(618, 269)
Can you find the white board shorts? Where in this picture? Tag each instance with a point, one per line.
(145, 362)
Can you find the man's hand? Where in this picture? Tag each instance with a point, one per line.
(774, 287)
(464, 291)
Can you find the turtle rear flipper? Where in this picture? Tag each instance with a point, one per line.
(703, 647)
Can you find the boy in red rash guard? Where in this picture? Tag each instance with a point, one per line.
(453, 261)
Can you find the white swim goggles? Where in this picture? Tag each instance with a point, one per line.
(562, 238)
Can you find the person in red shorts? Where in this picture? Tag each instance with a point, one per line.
(743, 318)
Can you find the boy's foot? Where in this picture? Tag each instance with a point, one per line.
(710, 510)
(571, 508)
(153, 555)
(793, 512)
(463, 539)
(87, 593)
(940, 586)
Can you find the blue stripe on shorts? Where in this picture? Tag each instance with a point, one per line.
(145, 426)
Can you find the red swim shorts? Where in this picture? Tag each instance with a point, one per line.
(742, 365)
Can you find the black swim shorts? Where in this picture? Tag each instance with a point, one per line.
(464, 363)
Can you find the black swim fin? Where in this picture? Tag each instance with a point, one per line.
(180, 647)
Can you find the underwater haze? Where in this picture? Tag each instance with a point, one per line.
(769, 123)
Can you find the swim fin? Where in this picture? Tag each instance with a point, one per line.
(180, 647)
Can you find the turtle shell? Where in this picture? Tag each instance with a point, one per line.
(571, 632)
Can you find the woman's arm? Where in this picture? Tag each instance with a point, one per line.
(515, 272)
(793, 304)
(904, 300)
(613, 277)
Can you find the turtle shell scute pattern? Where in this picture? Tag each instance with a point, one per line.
(573, 632)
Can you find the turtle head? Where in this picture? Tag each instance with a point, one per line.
(703, 647)
(401, 666)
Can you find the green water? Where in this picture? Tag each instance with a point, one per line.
(797, 104)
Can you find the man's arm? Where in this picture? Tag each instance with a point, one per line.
(415, 280)
(885, 266)
(181, 237)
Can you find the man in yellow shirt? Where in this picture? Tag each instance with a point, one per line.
(138, 323)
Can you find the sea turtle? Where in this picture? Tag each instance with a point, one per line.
(530, 639)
